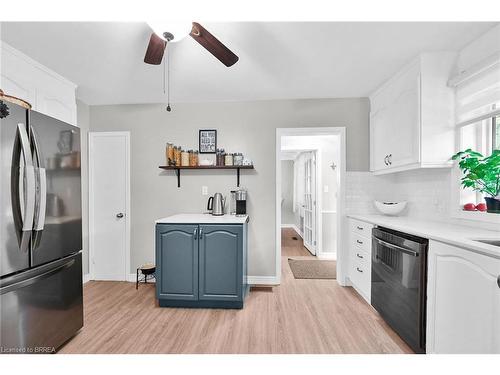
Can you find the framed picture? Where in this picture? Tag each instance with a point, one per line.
(208, 141)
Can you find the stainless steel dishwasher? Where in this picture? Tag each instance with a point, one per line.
(399, 282)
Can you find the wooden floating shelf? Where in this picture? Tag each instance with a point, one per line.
(177, 169)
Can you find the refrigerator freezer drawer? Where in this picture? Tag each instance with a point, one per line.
(41, 308)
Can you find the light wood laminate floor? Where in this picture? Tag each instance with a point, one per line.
(299, 316)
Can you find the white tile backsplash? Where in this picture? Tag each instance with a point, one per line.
(426, 190)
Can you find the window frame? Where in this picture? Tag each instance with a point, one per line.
(487, 142)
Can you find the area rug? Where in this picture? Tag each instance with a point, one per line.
(313, 268)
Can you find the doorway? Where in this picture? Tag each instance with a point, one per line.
(109, 205)
(310, 177)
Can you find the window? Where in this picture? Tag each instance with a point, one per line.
(484, 137)
(477, 106)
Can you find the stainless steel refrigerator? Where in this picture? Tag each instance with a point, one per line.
(41, 303)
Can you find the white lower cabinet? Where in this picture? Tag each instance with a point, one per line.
(463, 301)
(360, 263)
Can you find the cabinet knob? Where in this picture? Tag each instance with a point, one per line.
(360, 228)
(119, 215)
(385, 160)
(195, 232)
(389, 159)
(201, 233)
(498, 281)
(359, 256)
(360, 242)
(357, 269)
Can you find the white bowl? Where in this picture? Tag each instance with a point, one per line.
(390, 208)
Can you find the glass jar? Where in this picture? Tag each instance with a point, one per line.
(170, 153)
(238, 158)
(220, 157)
(228, 159)
(177, 156)
(196, 158)
(184, 158)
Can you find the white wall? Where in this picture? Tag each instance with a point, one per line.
(287, 214)
(249, 127)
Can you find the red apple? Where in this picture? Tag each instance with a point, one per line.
(469, 207)
(481, 207)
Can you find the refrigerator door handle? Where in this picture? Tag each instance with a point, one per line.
(29, 176)
(41, 196)
(34, 279)
(42, 203)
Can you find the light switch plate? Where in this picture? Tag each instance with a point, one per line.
(204, 190)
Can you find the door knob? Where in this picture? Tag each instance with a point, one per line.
(119, 215)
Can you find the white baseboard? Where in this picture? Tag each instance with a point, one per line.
(262, 280)
(294, 227)
(86, 277)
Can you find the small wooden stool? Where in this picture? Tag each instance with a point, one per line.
(147, 269)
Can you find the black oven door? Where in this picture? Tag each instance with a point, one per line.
(398, 284)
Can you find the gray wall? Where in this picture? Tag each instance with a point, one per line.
(287, 216)
(248, 127)
(83, 121)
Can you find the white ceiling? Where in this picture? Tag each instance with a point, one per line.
(277, 60)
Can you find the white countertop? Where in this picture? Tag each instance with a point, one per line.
(202, 219)
(453, 234)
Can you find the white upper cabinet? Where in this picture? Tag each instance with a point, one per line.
(412, 117)
(45, 90)
(463, 301)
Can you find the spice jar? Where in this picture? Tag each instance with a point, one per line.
(177, 156)
(170, 153)
(238, 158)
(193, 158)
(228, 159)
(220, 157)
(184, 158)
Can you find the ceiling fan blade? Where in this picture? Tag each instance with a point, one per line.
(213, 45)
(156, 48)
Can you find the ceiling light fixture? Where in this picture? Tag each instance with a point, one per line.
(171, 31)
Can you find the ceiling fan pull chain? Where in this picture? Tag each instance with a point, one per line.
(168, 83)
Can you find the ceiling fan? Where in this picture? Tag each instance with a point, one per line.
(160, 38)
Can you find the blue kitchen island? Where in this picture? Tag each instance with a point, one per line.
(201, 261)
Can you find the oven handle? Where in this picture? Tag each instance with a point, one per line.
(396, 247)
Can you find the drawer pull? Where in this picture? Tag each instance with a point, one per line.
(357, 269)
(359, 256)
(360, 242)
(360, 228)
(498, 281)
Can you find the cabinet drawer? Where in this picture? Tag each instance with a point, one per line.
(363, 243)
(360, 228)
(360, 274)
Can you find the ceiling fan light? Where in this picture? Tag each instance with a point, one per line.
(178, 29)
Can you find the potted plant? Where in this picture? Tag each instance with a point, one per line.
(481, 174)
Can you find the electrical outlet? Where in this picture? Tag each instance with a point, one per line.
(204, 190)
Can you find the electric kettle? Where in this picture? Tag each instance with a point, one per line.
(216, 204)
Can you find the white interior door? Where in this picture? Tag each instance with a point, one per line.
(310, 203)
(109, 226)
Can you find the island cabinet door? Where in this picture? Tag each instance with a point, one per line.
(177, 262)
(221, 262)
